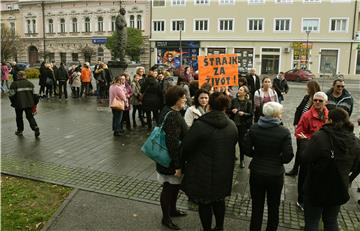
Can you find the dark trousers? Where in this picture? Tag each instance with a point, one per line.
(49, 90)
(116, 121)
(84, 86)
(29, 117)
(261, 186)
(312, 216)
(63, 86)
(302, 171)
(42, 90)
(148, 117)
(297, 157)
(241, 134)
(168, 198)
(126, 119)
(137, 108)
(206, 212)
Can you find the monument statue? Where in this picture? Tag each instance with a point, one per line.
(121, 29)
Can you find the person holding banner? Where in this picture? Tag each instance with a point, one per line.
(263, 95)
(242, 114)
(209, 155)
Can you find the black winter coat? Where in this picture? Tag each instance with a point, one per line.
(346, 149)
(62, 74)
(209, 155)
(175, 129)
(152, 95)
(22, 94)
(299, 109)
(269, 144)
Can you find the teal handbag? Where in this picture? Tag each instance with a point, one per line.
(155, 146)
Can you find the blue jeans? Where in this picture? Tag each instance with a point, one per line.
(313, 213)
(116, 122)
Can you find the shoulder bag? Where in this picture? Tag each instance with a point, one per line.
(117, 104)
(155, 146)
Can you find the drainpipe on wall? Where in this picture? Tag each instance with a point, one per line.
(43, 22)
(352, 37)
(150, 2)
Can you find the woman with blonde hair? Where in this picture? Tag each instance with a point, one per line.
(117, 90)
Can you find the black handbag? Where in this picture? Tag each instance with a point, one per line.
(326, 187)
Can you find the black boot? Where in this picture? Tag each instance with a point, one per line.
(169, 224)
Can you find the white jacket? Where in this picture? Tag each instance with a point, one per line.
(191, 114)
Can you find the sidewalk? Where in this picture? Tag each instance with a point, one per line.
(76, 148)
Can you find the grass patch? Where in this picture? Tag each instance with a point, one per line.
(28, 204)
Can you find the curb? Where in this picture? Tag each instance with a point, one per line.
(59, 211)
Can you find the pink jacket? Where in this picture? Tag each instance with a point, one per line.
(119, 91)
(4, 72)
(310, 123)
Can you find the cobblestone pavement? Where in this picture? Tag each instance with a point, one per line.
(76, 148)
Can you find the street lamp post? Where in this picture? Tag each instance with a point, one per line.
(181, 28)
(307, 48)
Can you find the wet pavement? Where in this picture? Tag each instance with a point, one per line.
(76, 148)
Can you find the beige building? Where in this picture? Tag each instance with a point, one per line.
(270, 35)
(71, 31)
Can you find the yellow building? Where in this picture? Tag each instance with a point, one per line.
(270, 35)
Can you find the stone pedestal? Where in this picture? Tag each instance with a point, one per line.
(116, 67)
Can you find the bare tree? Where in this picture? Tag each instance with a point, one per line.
(10, 43)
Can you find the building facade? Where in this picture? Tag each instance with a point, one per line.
(71, 31)
(270, 35)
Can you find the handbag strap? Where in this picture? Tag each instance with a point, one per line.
(166, 115)
(332, 156)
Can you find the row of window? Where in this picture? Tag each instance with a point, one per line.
(161, 3)
(31, 24)
(254, 24)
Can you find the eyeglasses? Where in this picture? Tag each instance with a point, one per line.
(340, 86)
(318, 100)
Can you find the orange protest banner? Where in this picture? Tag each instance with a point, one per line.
(218, 70)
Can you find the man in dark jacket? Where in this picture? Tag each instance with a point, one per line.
(22, 99)
(253, 82)
(338, 96)
(62, 77)
(280, 86)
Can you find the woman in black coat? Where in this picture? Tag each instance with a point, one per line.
(175, 128)
(324, 195)
(209, 154)
(305, 104)
(152, 99)
(269, 145)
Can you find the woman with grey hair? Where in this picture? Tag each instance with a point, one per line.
(268, 142)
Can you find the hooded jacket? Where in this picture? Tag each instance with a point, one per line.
(21, 94)
(346, 149)
(209, 155)
(345, 101)
(269, 144)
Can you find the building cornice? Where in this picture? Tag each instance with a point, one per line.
(257, 40)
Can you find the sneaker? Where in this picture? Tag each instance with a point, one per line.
(37, 132)
(19, 133)
(300, 206)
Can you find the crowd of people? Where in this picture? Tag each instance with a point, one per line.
(204, 124)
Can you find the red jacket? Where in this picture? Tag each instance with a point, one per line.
(310, 123)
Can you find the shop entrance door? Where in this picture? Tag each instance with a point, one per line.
(270, 64)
